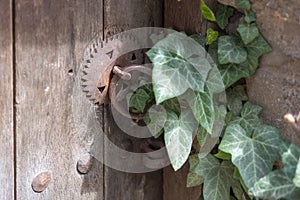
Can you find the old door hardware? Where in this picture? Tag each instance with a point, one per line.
(41, 181)
(118, 92)
(99, 60)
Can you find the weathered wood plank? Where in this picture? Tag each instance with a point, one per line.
(183, 16)
(186, 16)
(6, 102)
(120, 16)
(50, 39)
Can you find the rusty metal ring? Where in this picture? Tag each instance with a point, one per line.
(113, 93)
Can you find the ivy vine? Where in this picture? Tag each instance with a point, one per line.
(242, 149)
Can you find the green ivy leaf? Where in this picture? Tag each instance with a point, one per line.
(235, 98)
(279, 184)
(172, 105)
(155, 119)
(249, 119)
(231, 73)
(243, 4)
(206, 11)
(193, 179)
(211, 36)
(200, 39)
(250, 17)
(258, 47)
(248, 32)
(179, 136)
(223, 155)
(217, 177)
(140, 98)
(253, 152)
(202, 106)
(230, 50)
(222, 14)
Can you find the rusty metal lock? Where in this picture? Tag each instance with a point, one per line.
(105, 63)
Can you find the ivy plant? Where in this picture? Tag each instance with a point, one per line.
(200, 96)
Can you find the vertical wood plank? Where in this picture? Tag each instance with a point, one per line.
(120, 16)
(183, 16)
(6, 102)
(50, 39)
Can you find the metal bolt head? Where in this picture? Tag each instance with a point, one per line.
(41, 181)
(85, 163)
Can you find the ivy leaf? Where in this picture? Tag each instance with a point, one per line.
(233, 72)
(249, 119)
(155, 119)
(230, 50)
(217, 177)
(296, 179)
(206, 11)
(235, 98)
(222, 14)
(279, 184)
(243, 4)
(258, 47)
(193, 179)
(200, 39)
(202, 106)
(172, 105)
(177, 67)
(179, 136)
(253, 152)
(248, 32)
(205, 141)
(214, 81)
(223, 155)
(140, 98)
(250, 17)
(211, 36)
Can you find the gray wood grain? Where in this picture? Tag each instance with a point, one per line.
(55, 121)
(6, 102)
(120, 16)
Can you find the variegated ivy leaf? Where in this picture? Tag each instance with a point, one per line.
(230, 50)
(179, 63)
(222, 14)
(296, 179)
(155, 119)
(248, 32)
(206, 142)
(202, 106)
(179, 136)
(249, 119)
(279, 184)
(217, 177)
(253, 151)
